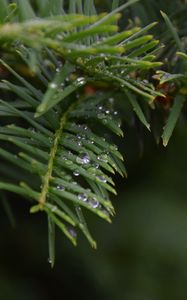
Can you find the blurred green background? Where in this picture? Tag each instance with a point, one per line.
(141, 256)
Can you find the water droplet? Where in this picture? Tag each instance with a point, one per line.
(64, 158)
(103, 157)
(115, 113)
(53, 85)
(102, 178)
(32, 129)
(107, 112)
(60, 188)
(49, 261)
(83, 158)
(96, 166)
(80, 81)
(81, 136)
(100, 107)
(59, 37)
(67, 79)
(76, 173)
(105, 212)
(104, 121)
(54, 208)
(70, 153)
(113, 147)
(82, 197)
(90, 142)
(93, 203)
(101, 116)
(72, 232)
(50, 140)
(145, 81)
(85, 127)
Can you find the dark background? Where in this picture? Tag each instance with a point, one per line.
(141, 256)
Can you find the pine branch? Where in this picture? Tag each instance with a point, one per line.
(57, 127)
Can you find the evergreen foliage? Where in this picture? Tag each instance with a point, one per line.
(63, 68)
